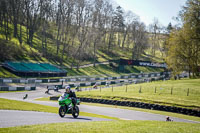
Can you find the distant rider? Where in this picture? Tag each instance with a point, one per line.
(72, 95)
(95, 86)
(77, 88)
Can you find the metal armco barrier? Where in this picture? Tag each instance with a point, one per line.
(4, 88)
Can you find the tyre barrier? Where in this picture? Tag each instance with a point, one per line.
(54, 98)
(141, 105)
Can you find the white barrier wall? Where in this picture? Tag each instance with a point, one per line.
(7, 80)
(12, 88)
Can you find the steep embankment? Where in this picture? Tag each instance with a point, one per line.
(12, 50)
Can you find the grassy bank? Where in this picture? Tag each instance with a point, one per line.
(114, 127)
(14, 51)
(172, 93)
(6, 74)
(100, 70)
(106, 70)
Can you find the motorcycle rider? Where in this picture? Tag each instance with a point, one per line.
(72, 95)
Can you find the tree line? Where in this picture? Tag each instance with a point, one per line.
(183, 43)
(80, 27)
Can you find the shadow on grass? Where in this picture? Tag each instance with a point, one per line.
(74, 72)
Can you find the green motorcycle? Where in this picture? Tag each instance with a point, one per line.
(67, 107)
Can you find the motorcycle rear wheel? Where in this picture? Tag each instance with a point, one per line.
(61, 111)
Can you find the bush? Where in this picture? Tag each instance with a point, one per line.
(9, 51)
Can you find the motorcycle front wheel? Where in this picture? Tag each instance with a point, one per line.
(61, 111)
(75, 112)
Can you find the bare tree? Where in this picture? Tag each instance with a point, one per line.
(21, 16)
(155, 30)
(67, 23)
(111, 30)
(59, 19)
(14, 6)
(5, 18)
(33, 17)
(45, 13)
(139, 39)
(129, 18)
(83, 15)
(97, 26)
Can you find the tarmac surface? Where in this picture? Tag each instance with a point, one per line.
(12, 118)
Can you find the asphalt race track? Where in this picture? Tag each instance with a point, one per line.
(10, 118)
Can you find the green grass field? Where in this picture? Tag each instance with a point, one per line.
(173, 93)
(109, 127)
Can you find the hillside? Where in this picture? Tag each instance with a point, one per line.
(12, 50)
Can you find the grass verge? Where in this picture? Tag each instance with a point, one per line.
(107, 126)
(171, 93)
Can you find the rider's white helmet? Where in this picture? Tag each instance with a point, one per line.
(67, 88)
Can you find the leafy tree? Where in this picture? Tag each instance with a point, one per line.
(169, 27)
(184, 43)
